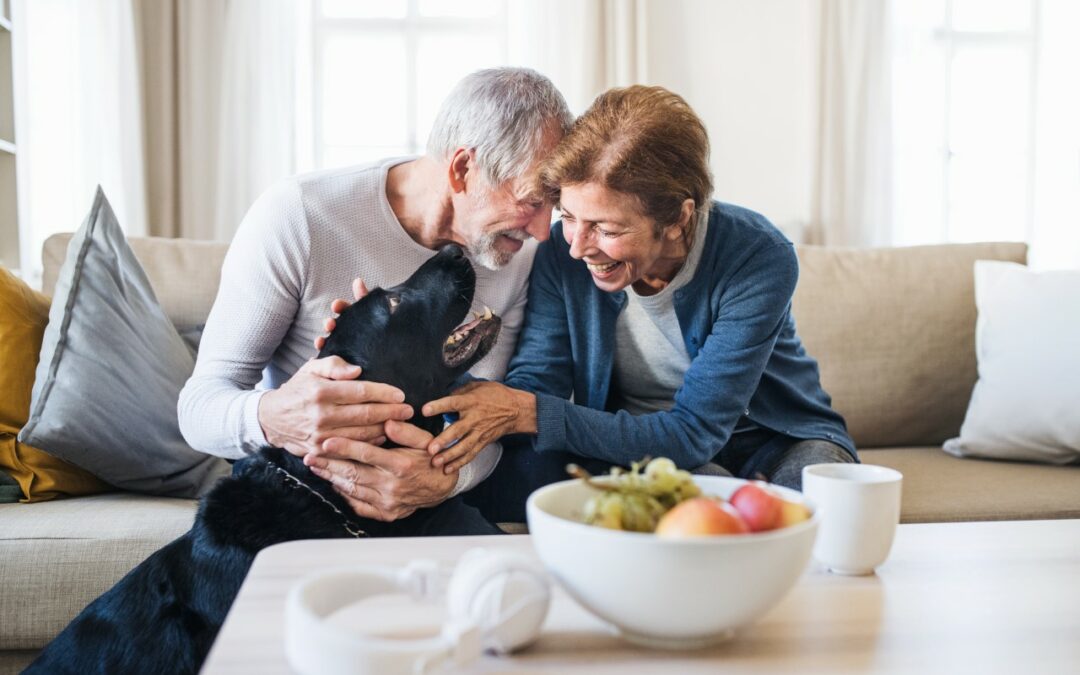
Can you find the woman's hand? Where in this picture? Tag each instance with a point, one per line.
(337, 307)
(488, 411)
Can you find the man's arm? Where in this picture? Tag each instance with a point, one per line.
(262, 282)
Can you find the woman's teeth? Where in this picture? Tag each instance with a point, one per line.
(601, 269)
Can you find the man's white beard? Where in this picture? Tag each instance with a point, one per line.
(483, 251)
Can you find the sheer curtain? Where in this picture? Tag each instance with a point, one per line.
(80, 124)
(853, 205)
(584, 46)
(183, 110)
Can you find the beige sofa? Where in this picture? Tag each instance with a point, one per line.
(893, 330)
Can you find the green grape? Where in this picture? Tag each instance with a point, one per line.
(635, 500)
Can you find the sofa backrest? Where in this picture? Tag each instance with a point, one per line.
(893, 330)
(184, 273)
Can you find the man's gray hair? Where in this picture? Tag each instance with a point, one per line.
(505, 114)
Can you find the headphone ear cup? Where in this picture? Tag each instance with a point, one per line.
(506, 594)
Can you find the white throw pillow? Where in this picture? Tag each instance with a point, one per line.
(1026, 403)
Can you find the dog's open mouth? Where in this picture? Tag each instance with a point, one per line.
(475, 336)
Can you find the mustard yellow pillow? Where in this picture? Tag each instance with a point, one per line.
(23, 315)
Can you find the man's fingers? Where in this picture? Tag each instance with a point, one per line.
(346, 473)
(368, 433)
(360, 391)
(407, 435)
(334, 368)
(329, 325)
(366, 453)
(320, 342)
(362, 415)
(338, 306)
(359, 288)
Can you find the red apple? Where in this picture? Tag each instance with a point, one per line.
(760, 507)
(700, 516)
(792, 513)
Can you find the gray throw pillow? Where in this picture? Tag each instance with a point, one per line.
(110, 373)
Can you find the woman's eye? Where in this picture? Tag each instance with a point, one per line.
(393, 301)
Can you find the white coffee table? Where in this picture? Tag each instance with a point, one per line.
(997, 597)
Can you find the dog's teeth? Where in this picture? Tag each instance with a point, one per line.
(487, 313)
(452, 340)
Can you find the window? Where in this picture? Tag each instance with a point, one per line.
(381, 68)
(982, 149)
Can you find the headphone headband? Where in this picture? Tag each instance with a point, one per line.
(478, 614)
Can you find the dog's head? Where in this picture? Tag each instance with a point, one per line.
(412, 336)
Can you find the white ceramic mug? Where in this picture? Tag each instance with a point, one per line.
(860, 508)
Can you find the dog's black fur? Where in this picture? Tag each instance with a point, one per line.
(164, 615)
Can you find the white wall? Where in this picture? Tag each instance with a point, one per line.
(750, 69)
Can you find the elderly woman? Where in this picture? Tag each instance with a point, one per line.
(658, 321)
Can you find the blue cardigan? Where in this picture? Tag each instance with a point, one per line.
(735, 315)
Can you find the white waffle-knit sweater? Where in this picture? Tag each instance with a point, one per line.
(298, 248)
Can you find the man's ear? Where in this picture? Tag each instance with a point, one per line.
(461, 163)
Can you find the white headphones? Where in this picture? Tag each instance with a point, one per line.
(497, 601)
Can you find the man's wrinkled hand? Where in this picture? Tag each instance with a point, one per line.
(384, 483)
(324, 400)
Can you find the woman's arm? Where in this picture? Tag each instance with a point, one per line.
(721, 380)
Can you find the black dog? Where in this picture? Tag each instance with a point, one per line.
(164, 615)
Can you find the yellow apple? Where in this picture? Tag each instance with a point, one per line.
(792, 513)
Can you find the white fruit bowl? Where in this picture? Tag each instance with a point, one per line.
(668, 593)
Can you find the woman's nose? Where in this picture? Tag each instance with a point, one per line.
(578, 243)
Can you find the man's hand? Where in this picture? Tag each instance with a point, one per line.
(324, 400)
(338, 306)
(380, 483)
(487, 411)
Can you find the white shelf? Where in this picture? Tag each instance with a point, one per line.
(5, 24)
(7, 146)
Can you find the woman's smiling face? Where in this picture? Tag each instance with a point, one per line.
(618, 243)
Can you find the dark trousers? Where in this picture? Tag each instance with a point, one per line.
(759, 453)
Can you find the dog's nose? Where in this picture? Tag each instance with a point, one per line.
(453, 251)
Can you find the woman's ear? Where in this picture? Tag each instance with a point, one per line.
(678, 228)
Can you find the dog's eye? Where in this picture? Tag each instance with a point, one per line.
(393, 301)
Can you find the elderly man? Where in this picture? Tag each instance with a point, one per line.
(304, 240)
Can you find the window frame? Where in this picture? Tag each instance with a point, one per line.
(411, 27)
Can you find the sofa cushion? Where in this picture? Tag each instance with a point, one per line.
(1025, 404)
(55, 557)
(184, 273)
(36, 474)
(893, 331)
(112, 366)
(942, 488)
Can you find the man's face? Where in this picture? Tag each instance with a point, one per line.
(496, 221)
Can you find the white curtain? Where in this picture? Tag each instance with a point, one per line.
(227, 104)
(256, 132)
(183, 110)
(80, 118)
(1055, 235)
(853, 195)
(584, 46)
